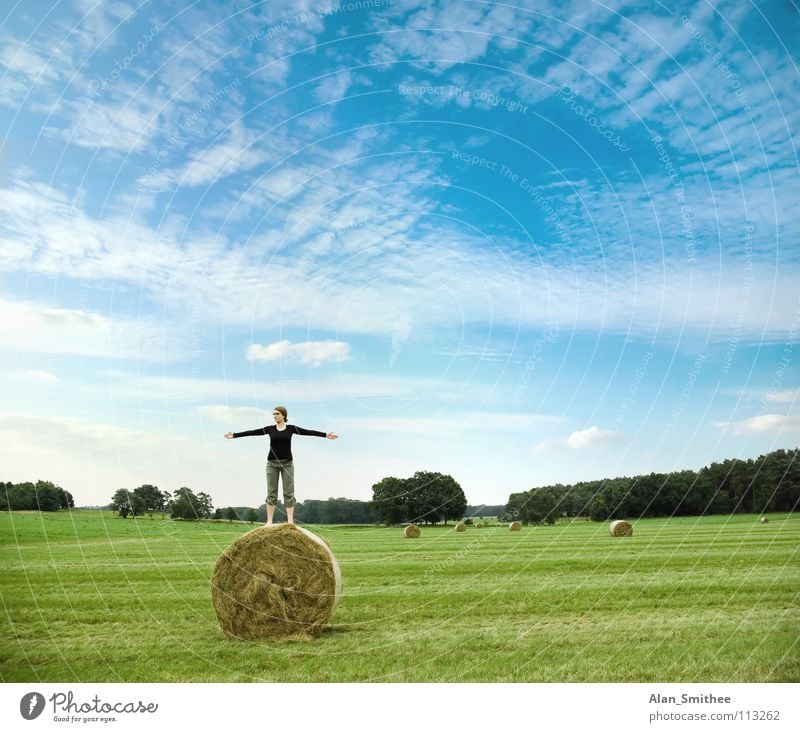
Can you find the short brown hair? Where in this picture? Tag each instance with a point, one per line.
(282, 410)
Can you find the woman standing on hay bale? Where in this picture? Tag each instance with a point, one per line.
(279, 460)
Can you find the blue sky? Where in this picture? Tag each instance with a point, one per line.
(518, 243)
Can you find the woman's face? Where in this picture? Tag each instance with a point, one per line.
(277, 416)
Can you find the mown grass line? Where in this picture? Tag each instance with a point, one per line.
(89, 597)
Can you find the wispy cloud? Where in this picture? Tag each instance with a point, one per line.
(381, 288)
(38, 328)
(314, 353)
(73, 433)
(317, 387)
(451, 423)
(33, 375)
(438, 35)
(332, 88)
(762, 423)
(230, 415)
(787, 396)
(232, 151)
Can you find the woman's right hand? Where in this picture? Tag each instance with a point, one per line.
(229, 436)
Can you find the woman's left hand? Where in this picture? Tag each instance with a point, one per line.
(331, 436)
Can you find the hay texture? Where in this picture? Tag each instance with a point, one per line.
(276, 582)
(515, 526)
(620, 528)
(411, 531)
(460, 527)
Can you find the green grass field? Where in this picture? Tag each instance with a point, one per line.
(89, 597)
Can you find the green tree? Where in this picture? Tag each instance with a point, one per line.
(127, 503)
(184, 504)
(187, 505)
(204, 505)
(67, 501)
(153, 499)
(425, 496)
(41, 496)
(389, 501)
(451, 495)
(599, 508)
(23, 497)
(252, 515)
(230, 513)
(309, 512)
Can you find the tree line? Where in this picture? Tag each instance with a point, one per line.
(768, 483)
(182, 504)
(425, 497)
(331, 511)
(43, 495)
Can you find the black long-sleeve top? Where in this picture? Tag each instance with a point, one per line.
(280, 441)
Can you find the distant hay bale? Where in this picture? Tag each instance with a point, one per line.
(620, 528)
(478, 526)
(276, 582)
(411, 531)
(763, 520)
(515, 526)
(460, 527)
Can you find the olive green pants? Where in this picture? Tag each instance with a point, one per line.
(276, 468)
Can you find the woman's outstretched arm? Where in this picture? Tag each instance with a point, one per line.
(249, 433)
(314, 433)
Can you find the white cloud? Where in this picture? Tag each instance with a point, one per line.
(590, 438)
(314, 353)
(35, 375)
(125, 125)
(334, 87)
(21, 58)
(38, 328)
(436, 36)
(359, 262)
(784, 397)
(93, 459)
(72, 432)
(303, 388)
(762, 423)
(230, 415)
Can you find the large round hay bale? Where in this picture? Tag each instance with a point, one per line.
(276, 582)
(620, 528)
(515, 526)
(478, 526)
(763, 520)
(411, 531)
(460, 527)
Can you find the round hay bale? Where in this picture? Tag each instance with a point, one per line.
(620, 528)
(515, 526)
(276, 582)
(478, 526)
(763, 520)
(411, 531)
(460, 527)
